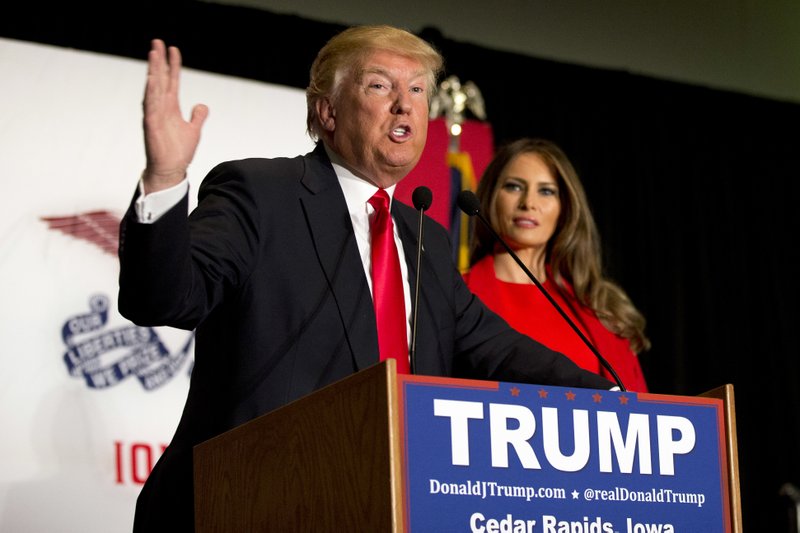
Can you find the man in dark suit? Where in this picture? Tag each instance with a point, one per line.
(272, 269)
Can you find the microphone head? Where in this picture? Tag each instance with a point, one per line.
(422, 198)
(468, 202)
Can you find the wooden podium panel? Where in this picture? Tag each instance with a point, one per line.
(327, 462)
(725, 393)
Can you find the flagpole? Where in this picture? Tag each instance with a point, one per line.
(452, 100)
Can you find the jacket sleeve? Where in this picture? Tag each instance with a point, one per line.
(175, 271)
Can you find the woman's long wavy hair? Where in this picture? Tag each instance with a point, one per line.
(573, 254)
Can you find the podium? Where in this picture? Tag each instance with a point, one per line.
(378, 451)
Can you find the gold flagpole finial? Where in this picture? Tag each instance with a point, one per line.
(452, 100)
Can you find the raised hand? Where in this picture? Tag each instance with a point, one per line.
(170, 141)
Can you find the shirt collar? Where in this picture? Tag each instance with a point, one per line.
(357, 191)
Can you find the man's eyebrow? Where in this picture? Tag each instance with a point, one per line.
(384, 72)
(372, 70)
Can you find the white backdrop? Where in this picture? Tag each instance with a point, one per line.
(78, 434)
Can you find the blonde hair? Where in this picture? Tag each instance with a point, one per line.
(573, 252)
(346, 50)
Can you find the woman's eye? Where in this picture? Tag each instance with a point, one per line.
(548, 191)
(512, 187)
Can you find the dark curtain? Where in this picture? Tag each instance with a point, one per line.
(693, 190)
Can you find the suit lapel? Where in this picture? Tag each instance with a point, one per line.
(334, 240)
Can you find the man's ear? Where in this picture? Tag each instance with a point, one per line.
(327, 114)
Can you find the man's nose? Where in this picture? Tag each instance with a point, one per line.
(402, 103)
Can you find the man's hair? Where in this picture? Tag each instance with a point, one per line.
(348, 49)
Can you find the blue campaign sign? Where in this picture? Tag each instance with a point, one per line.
(494, 457)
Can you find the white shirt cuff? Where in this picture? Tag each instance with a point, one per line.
(151, 207)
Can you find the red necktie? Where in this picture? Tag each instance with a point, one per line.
(387, 285)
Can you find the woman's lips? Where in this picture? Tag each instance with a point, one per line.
(526, 222)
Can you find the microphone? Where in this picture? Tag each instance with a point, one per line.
(422, 197)
(469, 204)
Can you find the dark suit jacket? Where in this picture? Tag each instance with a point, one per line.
(267, 271)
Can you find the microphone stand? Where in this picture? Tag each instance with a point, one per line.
(422, 198)
(416, 299)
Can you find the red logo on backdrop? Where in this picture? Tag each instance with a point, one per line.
(97, 227)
